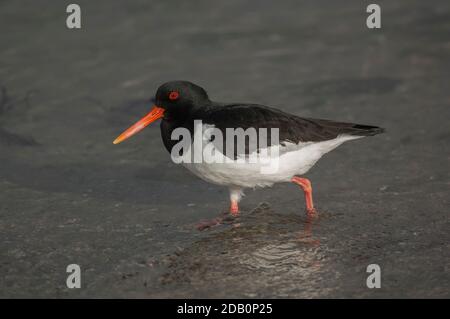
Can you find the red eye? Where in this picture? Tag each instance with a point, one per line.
(174, 95)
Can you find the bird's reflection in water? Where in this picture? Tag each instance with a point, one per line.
(261, 248)
(306, 236)
(287, 249)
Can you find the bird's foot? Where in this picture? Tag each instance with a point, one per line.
(224, 219)
(311, 212)
(205, 224)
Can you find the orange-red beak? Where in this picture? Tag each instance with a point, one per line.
(156, 113)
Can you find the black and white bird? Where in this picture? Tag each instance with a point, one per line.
(301, 141)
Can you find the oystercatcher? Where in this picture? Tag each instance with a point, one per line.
(301, 141)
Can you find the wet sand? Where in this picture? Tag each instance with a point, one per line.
(126, 213)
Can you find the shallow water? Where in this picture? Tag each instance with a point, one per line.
(127, 215)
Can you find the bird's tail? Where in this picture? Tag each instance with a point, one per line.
(346, 128)
(364, 130)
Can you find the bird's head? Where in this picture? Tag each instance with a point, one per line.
(173, 101)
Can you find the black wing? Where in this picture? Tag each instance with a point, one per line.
(291, 128)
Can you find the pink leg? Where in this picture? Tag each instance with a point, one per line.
(235, 197)
(305, 184)
(234, 208)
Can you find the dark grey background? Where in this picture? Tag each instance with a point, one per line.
(126, 214)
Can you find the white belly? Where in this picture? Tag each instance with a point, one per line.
(293, 159)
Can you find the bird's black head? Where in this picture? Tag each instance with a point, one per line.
(174, 101)
(178, 98)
